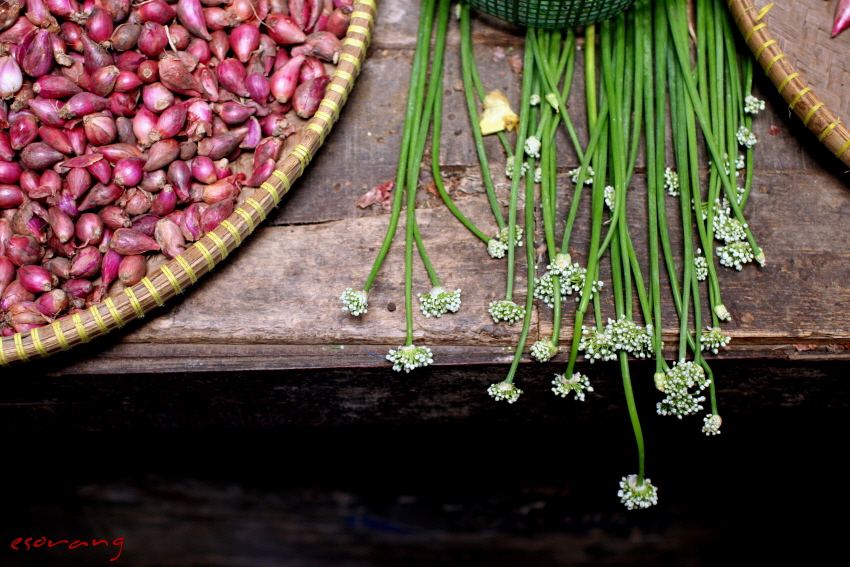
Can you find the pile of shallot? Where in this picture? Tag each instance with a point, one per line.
(121, 126)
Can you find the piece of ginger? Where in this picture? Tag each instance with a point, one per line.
(497, 115)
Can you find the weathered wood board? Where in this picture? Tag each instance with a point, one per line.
(279, 293)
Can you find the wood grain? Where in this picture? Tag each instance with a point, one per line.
(281, 288)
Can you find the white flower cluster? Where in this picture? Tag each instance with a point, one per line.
(354, 302)
(409, 357)
(596, 345)
(538, 174)
(574, 173)
(635, 495)
(610, 196)
(701, 265)
(496, 248)
(543, 351)
(713, 339)
(745, 137)
(439, 301)
(726, 228)
(711, 424)
(752, 105)
(740, 191)
(534, 100)
(572, 281)
(630, 337)
(671, 182)
(677, 384)
(506, 311)
(739, 163)
(621, 334)
(578, 385)
(735, 255)
(504, 234)
(532, 146)
(504, 391)
(509, 168)
(722, 313)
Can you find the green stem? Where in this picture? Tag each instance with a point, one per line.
(411, 123)
(468, 63)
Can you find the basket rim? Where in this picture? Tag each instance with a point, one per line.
(202, 256)
(799, 95)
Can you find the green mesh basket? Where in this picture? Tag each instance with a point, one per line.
(552, 13)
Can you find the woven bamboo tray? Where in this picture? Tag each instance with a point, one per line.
(791, 41)
(201, 257)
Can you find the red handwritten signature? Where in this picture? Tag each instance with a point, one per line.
(39, 542)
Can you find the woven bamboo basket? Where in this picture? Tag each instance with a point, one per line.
(554, 14)
(800, 95)
(177, 275)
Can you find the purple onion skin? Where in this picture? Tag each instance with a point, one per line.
(152, 40)
(61, 223)
(200, 48)
(78, 288)
(60, 267)
(100, 195)
(103, 80)
(130, 60)
(86, 264)
(39, 57)
(40, 156)
(221, 145)
(164, 202)
(128, 171)
(308, 96)
(261, 173)
(161, 154)
(219, 44)
(132, 269)
(96, 56)
(10, 172)
(136, 201)
(128, 242)
(52, 303)
(258, 87)
(68, 204)
(7, 272)
(109, 267)
(146, 224)
(231, 75)
(170, 238)
(23, 130)
(89, 228)
(190, 222)
(126, 37)
(191, 15)
(79, 181)
(179, 176)
(157, 97)
(244, 39)
(115, 217)
(156, 11)
(47, 111)
(55, 86)
(234, 113)
(14, 293)
(10, 196)
(254, 135)
(23, 250)
(83, 104)
(56, 138)
(153, 181)
(35, 279)
(213, 216)
(203, 169)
